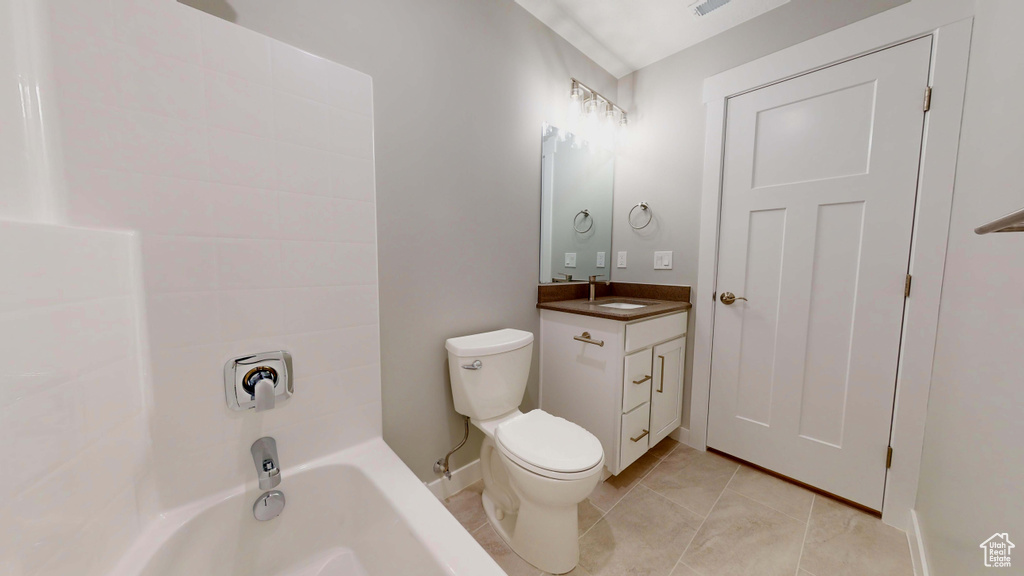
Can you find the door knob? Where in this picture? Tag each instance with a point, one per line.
(728, 298)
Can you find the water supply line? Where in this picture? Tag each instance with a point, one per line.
(441, 466)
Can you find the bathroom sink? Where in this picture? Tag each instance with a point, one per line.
(622, 305)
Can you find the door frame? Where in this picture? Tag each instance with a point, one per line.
(949, 25)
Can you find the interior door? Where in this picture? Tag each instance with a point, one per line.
(819, 186)
(667, 388)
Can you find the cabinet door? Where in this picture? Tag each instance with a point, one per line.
(667, 388)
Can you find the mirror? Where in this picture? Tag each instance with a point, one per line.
(576, 208)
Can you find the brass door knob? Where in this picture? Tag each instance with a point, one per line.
(728, 298)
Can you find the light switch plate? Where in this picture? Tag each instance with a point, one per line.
(600, 259)
(622, 259)
(663, 260)
(570, 259)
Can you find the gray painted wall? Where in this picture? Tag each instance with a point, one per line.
(663, 161)
(461, 88)
(972, 469)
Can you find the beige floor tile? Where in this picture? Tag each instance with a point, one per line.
(843, 541)
(786, 497)
(644, 535)
(744, 538)
(804, 573)
(684, 570)
(509, 561)
(467, 507)
(692, 478)
(577, 571)
(662, 449)
(609, 492)
(588, 515)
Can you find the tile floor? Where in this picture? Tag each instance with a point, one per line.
(680, 512)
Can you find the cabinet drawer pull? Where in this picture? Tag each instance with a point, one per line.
(586, 339)
(661, 384)
(642, 380)
(640, 437)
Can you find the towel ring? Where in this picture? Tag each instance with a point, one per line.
(646, 208)
(586, 214)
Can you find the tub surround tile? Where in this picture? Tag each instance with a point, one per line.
(643, 534)
(741, 537)
(838, 536)
(786, 497)
(691, 478)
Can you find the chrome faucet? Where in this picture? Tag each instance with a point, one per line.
(593, 284)
(264, 456)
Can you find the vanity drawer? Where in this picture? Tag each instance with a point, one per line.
(648, 332)
(635, 435)
(636, 385)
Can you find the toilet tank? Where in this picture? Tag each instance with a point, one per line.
(496, 384)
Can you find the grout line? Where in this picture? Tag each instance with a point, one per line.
(687, 549)
(807, 529)
(769, 506)
(628, 492)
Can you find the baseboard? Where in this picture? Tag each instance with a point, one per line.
(917, 549)
(443, 488)
(681, 435)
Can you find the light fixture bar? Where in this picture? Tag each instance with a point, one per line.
(577, 84)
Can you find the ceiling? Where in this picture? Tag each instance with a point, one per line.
(626, 35)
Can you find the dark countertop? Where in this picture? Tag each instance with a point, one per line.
(587, 308)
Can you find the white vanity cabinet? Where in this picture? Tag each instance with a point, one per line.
(622, 381)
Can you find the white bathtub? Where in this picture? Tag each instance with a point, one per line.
(360, 512)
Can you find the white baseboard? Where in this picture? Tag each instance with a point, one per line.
(461, 478)
(682, 435)
(917, 549)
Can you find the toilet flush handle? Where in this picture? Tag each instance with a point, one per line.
(476, 365)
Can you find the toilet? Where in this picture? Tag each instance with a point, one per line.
(536, 467)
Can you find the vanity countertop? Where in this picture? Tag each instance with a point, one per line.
(587, 308)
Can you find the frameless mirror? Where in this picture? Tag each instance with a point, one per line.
(576, 207)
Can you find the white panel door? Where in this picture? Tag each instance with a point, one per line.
(819, 186)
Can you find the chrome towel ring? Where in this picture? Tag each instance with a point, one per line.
(646, 208)
(586, 214)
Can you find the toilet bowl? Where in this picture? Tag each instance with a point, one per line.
(537, 468)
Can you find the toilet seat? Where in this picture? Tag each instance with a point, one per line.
(549, 446)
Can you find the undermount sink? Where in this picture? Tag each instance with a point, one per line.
(622, 305)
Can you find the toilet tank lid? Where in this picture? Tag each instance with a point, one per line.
(489, 342)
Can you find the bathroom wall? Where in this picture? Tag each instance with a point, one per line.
(461, 88)
(76, 461)
(972, 470)
(663, 162)
(246, 167)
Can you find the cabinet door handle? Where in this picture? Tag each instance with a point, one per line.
(586, 339)
(661, 384)
(640, 437)
(642, 380)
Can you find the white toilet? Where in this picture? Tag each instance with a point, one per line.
(537, 467)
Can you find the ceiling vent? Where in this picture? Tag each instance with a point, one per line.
(707, 6)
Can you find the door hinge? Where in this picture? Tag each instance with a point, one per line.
(927, 98)
(906, 287)
(888, 458)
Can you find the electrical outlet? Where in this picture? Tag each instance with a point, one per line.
(570, 259)
(663, 260)
(622, 260)
(600, 259)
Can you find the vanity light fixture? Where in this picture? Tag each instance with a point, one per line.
(586, 102)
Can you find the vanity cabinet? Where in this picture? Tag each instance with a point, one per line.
(622, 381)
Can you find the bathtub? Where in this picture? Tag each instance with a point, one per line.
(360, 512)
